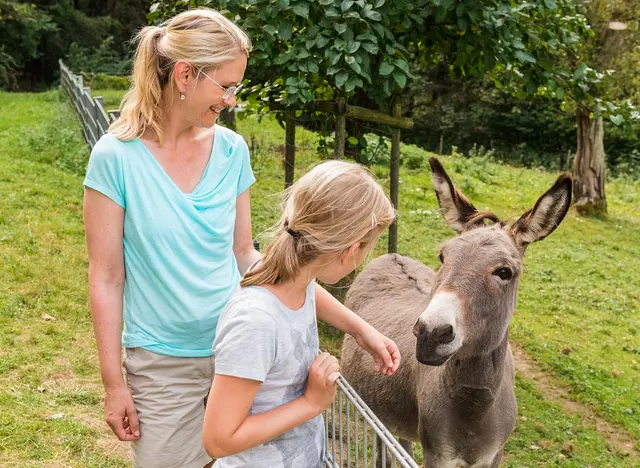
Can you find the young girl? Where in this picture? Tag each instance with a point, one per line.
(271, 386)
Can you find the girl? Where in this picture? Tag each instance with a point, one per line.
(271, 386)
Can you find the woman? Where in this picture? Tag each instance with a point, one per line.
(168, 227)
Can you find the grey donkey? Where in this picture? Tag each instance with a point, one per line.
(454, 390)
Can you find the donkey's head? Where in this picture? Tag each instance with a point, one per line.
(474, 293)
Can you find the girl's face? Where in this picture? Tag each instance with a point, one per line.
(205, 91)
(336, 267)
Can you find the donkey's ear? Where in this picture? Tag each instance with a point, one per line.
(546, 215)
(456, 208)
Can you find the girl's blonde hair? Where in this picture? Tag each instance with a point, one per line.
(203, 37)
(329, 209)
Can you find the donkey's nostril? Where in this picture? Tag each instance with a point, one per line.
(444, 334)
(419, 328)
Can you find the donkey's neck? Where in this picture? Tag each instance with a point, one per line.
(482, 372)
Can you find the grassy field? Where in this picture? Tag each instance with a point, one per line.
(578, 311)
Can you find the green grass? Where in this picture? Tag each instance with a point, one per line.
(580, 291)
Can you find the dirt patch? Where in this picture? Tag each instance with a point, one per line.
(616, 437)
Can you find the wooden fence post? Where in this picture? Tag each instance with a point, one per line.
(341, 122)
(289, 147)
(394, 183)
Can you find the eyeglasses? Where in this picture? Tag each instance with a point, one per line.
(228, 90)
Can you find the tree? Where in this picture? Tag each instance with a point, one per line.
(327, 48)
(612, 47)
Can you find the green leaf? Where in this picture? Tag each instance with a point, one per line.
(322, 41)
(616, 119)
(333, 70)
(371, 48)
(373, 15)
(551, 5)
(326, 2)
(286, 30)
(524, 57)
(341, 78)
(402, 65)
(336, 58)
(350, 86)
(355, 66)
(367, 37)
(353, 47)
(301, 9)
(331, 13)
(346, 4)
(270, 29)
(340, 27)
(400, 78)
(303, 53)
(386, 68)
(352, 141)
(349, 59)
(560, 93)
(312, 67)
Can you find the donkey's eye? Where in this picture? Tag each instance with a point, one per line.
(503, 273)
(441, 257)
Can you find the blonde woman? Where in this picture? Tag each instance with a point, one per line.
(168, 228)
(271, 386)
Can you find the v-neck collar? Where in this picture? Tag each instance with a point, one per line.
(193, 192)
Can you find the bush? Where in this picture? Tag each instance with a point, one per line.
(103, 60)
(104, 81)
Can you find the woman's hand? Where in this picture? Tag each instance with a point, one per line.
(120, 413)
(321, 387)
(384, 351)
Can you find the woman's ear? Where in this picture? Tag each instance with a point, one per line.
(349, 254)
(183, 74)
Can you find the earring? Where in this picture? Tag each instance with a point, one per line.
(181, 97)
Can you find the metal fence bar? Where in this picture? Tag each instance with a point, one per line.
(94, 119)
(364, 445)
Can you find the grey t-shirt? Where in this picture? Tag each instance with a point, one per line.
(259, 338)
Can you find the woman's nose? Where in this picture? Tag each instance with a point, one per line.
(230, 102)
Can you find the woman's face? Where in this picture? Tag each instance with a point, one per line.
(204, 100)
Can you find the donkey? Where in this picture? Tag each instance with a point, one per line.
(454, 390)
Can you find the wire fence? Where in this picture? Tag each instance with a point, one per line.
(356, 438)
(94, 119)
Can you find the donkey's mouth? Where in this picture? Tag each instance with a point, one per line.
(434, 361)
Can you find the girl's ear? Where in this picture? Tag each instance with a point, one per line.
(349, 254)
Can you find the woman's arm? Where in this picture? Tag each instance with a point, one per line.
(228, 427)
(104, 224)
(246, 255)
(384, 351)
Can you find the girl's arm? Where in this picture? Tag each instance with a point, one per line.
(228, 427)
(384, 351)
(246, 255)
(104, 224)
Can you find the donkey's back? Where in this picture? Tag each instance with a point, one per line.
(389, 294)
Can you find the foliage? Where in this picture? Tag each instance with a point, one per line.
(316, 49)
(104, 59)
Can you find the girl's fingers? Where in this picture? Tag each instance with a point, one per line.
(333, 377)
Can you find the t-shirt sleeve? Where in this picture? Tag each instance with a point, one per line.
(246, 178)
(245, 344)
(104, 172)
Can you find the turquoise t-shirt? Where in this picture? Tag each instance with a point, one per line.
(178, 248)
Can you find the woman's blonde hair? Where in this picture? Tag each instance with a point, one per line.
(203, 37)
(329, 209)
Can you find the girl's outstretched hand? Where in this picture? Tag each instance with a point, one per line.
(321, 387)
(384, 351)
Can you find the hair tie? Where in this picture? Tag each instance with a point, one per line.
(292, 233)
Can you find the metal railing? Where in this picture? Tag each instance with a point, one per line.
(94, 119)
(356, 438)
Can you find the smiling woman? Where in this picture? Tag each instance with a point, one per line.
(168, 229)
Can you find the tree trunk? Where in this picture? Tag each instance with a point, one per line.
(228, 118)
(589, 168)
